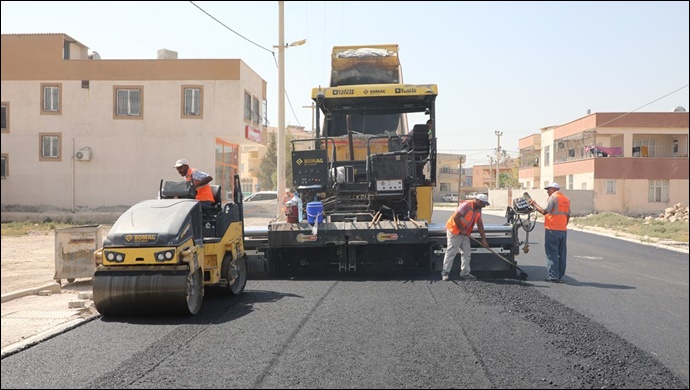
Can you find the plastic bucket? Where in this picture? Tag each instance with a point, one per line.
(315, 212)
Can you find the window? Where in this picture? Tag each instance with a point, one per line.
(570, 182)
(129, 102)
(610, 186)
(658, 191)
(4, 168)
(256, 114)
(192, 105)
(444, 187)
(50, 147)
(5, 117)
(674, 143)
(50, 98)
(247, 107)
(264, 113)
(547, 155)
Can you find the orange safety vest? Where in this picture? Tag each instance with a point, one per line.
(557, 219)
(203, 193)
(466, 223)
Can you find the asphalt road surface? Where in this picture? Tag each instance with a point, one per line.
(620, 321)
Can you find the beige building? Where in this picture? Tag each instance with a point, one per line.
(449, 178)
(632, 163)
(80, 133)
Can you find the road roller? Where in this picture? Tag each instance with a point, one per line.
(161, 254)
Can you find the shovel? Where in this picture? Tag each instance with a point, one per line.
(522, 275)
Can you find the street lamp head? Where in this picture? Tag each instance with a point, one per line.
(298, 43)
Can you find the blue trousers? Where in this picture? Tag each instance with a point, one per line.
(555, 246)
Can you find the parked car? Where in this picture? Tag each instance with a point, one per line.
(262, 195)
(261, 204)
(453, 197)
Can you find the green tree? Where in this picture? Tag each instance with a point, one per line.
(268, 175)
(509, 179)
(267, 168)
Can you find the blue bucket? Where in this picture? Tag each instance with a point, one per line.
(315, 212)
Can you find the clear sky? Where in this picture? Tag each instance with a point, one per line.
(513, 67)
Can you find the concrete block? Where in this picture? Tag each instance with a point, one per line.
(45, 293)
(76, 304)
(85, 295)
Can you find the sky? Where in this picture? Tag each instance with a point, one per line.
(508, 67)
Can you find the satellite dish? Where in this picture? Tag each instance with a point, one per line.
(679, 109)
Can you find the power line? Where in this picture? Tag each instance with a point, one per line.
(255, 44)
(643, 106)
(238, 34)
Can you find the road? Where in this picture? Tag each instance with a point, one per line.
(620, 321)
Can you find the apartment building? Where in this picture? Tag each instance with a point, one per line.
(632, 163)
(450, 177)
(81, 133)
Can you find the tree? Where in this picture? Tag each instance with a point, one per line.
(267, 168)
(268, 175)
(509, 179)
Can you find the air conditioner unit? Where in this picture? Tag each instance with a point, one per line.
(83, 154)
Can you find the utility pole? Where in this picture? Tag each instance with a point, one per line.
(498, 154)
(460, 161)
(280, 177)
(491, 172)
(313, 107)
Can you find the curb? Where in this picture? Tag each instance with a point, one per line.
(53, 287)
(35, 339)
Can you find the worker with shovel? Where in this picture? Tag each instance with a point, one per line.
(459, 230)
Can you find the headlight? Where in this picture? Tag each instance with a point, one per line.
(115, 257)
(165, 255)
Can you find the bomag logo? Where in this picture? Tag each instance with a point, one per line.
(306, 238)
(374, 91)
(299, 161)
(138, 238)
(381, 237)
(406, 90)
(343, 92)
(313, 161)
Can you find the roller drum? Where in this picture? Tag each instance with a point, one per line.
(132, 292)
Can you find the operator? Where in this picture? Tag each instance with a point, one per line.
(459, 229)
(556, 218)
(199, 181)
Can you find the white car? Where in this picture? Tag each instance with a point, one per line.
(450, 197)
(262, 203)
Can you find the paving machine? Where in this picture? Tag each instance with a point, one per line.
(367, 180)
(161, 254)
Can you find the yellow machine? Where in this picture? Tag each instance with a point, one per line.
(161, 253)
(367, 179)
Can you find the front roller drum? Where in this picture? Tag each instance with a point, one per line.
(144, 292)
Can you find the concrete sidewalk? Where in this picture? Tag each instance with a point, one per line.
(35, 314)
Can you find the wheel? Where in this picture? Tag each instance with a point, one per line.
(235, 273)
(195, 292)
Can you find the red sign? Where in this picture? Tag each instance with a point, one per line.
(252, 134)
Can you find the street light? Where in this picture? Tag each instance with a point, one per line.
(281, 103)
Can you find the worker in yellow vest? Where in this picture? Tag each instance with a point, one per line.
(459, 228)
(556, 218)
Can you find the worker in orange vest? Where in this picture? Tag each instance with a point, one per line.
(199, 180)
(459, 228)
(556, 218)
